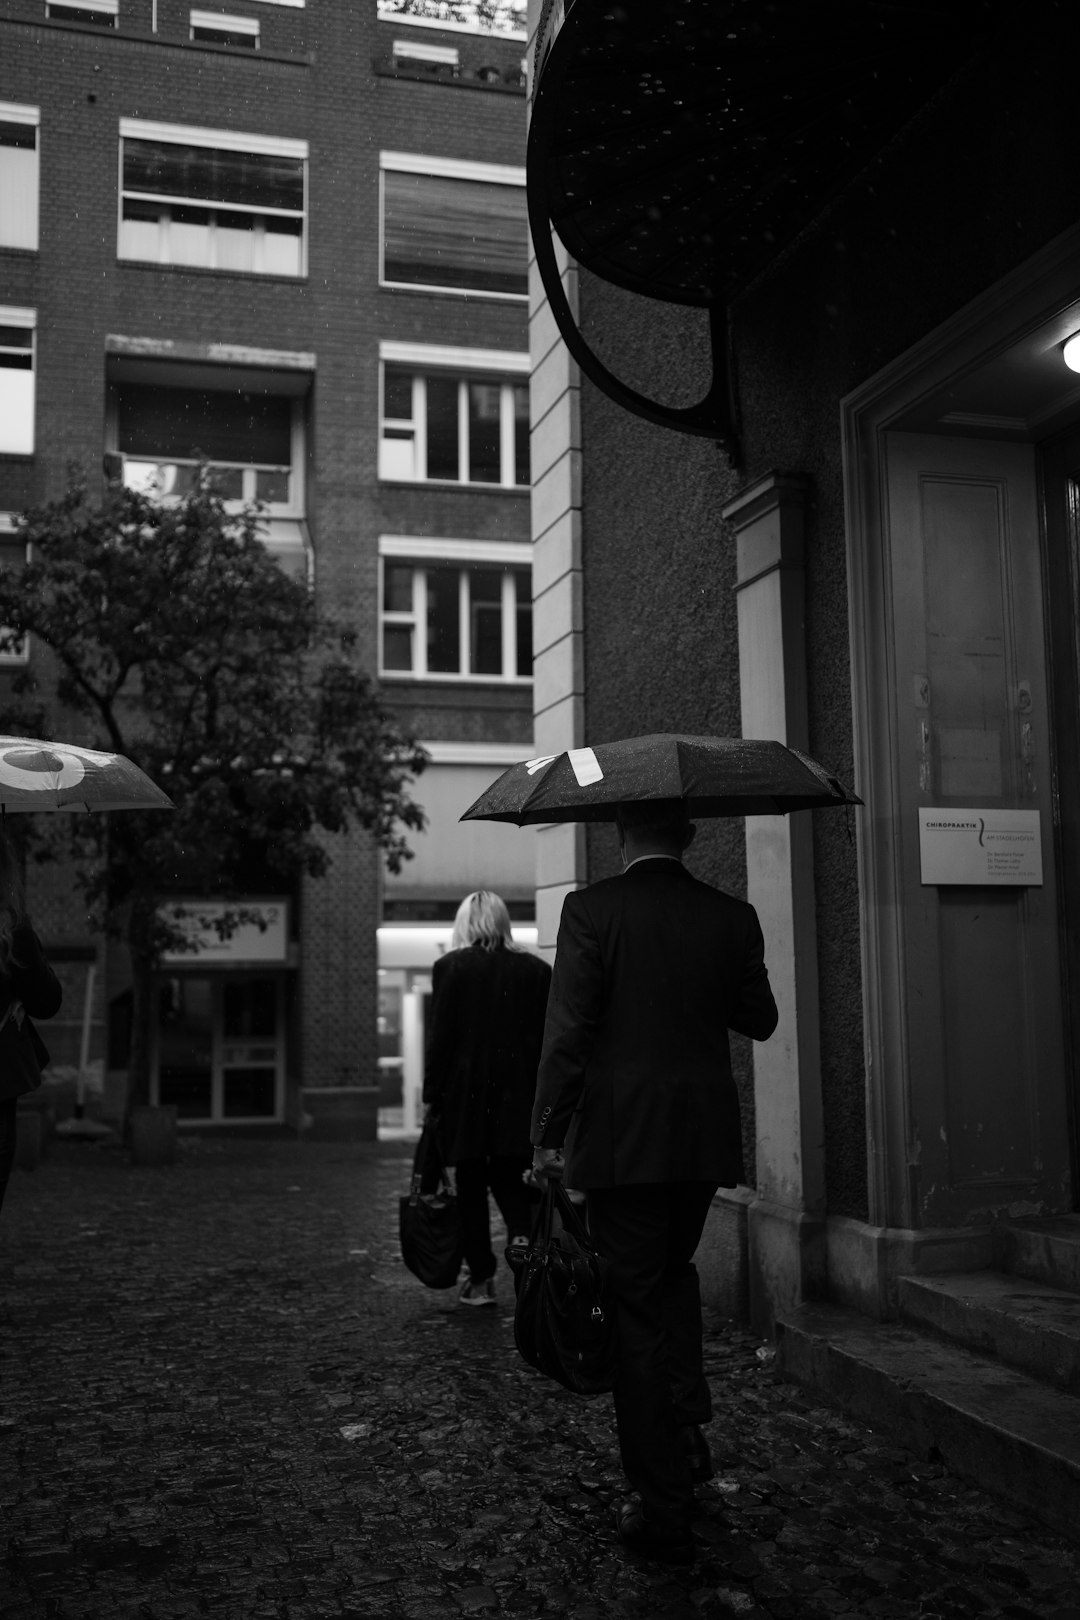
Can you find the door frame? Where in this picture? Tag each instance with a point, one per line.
(1043, 288)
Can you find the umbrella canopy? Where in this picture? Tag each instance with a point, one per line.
(718, 776)
(37, 775)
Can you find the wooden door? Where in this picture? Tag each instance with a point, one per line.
(984, 1065)
(1060, 465)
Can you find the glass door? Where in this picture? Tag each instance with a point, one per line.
(185, 1046)
(219, 1046)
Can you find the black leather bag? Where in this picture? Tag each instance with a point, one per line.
(564, 1319)
(429, 1224)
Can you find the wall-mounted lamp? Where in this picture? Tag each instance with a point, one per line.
(1070, 352)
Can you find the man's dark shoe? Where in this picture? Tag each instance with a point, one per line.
(698, 1453)
(638, 1536)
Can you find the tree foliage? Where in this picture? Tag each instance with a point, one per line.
(175, 639)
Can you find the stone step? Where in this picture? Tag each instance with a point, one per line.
(1025, 1324)
(1046, 1249)
(1008, 1433)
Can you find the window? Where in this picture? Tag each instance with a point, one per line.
(441, 425)
(102, 12)
(18, 176)
(213, 28)
(17, 381)
(248, 439)
(435, 57)
(452, 226)
(212, 199)
(12, 555)
(466, 616)
(466, 16)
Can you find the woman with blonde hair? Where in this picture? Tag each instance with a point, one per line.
(28, 985)
(489, 997)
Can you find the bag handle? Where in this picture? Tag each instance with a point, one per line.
(570, 1217)
(555, 1197)
(429, 1154)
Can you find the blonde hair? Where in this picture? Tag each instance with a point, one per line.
(12, 899)
(482, 919)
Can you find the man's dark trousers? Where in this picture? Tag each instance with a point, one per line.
(504, 1175)
(648, 1233)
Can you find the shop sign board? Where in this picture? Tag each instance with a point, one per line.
(262, 941)
(980, 847)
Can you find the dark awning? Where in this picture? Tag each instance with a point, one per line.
(677, 147)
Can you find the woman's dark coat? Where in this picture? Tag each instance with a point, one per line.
(484, 1038)
(30, 981)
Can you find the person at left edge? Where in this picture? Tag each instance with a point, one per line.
(28, 986)
(489, 997)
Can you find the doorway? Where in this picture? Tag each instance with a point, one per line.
(218, 1051)
(983, 1036)
(1059, 465)
(962, 560)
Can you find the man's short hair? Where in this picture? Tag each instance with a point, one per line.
(656, 818)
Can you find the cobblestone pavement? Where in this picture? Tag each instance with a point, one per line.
(221, 1394)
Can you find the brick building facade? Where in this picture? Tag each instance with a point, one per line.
(298, 232)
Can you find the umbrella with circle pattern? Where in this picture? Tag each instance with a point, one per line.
(39, 775)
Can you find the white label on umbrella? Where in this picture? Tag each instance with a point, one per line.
(585, 766)
(534, 765)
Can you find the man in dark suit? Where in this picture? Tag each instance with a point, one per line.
(652, 970)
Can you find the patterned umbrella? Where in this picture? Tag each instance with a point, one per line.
(718, 776)
(37, 775)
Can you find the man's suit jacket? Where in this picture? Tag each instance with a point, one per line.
(652, 970)
(484, 1034)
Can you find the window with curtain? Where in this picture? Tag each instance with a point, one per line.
(247, 440)
(18, 176)
(455, 234)
(17, 381)
(102, 13)
(221, 207)
(213, 28)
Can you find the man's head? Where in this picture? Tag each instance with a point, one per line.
(654, 827)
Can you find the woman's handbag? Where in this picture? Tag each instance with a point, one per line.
(429, 1224)
(564, 1320)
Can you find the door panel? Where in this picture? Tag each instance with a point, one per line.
(983, 1014)
(1060, 464)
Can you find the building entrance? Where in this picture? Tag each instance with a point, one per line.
(1059, 459)
(985, 1078)
(218, 1053)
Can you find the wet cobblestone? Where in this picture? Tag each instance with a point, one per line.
(221, 1394)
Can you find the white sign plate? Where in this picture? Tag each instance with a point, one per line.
(248, 943)
(980, 846)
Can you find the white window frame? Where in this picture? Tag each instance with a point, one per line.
(512, 557)
(507, 368)
(21, 654)
(499, 174)
(12, 315)
(93, 8)
(220, 23)
(231, 140)
(13, 112)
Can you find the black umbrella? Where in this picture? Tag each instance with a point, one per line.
(718, 776)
